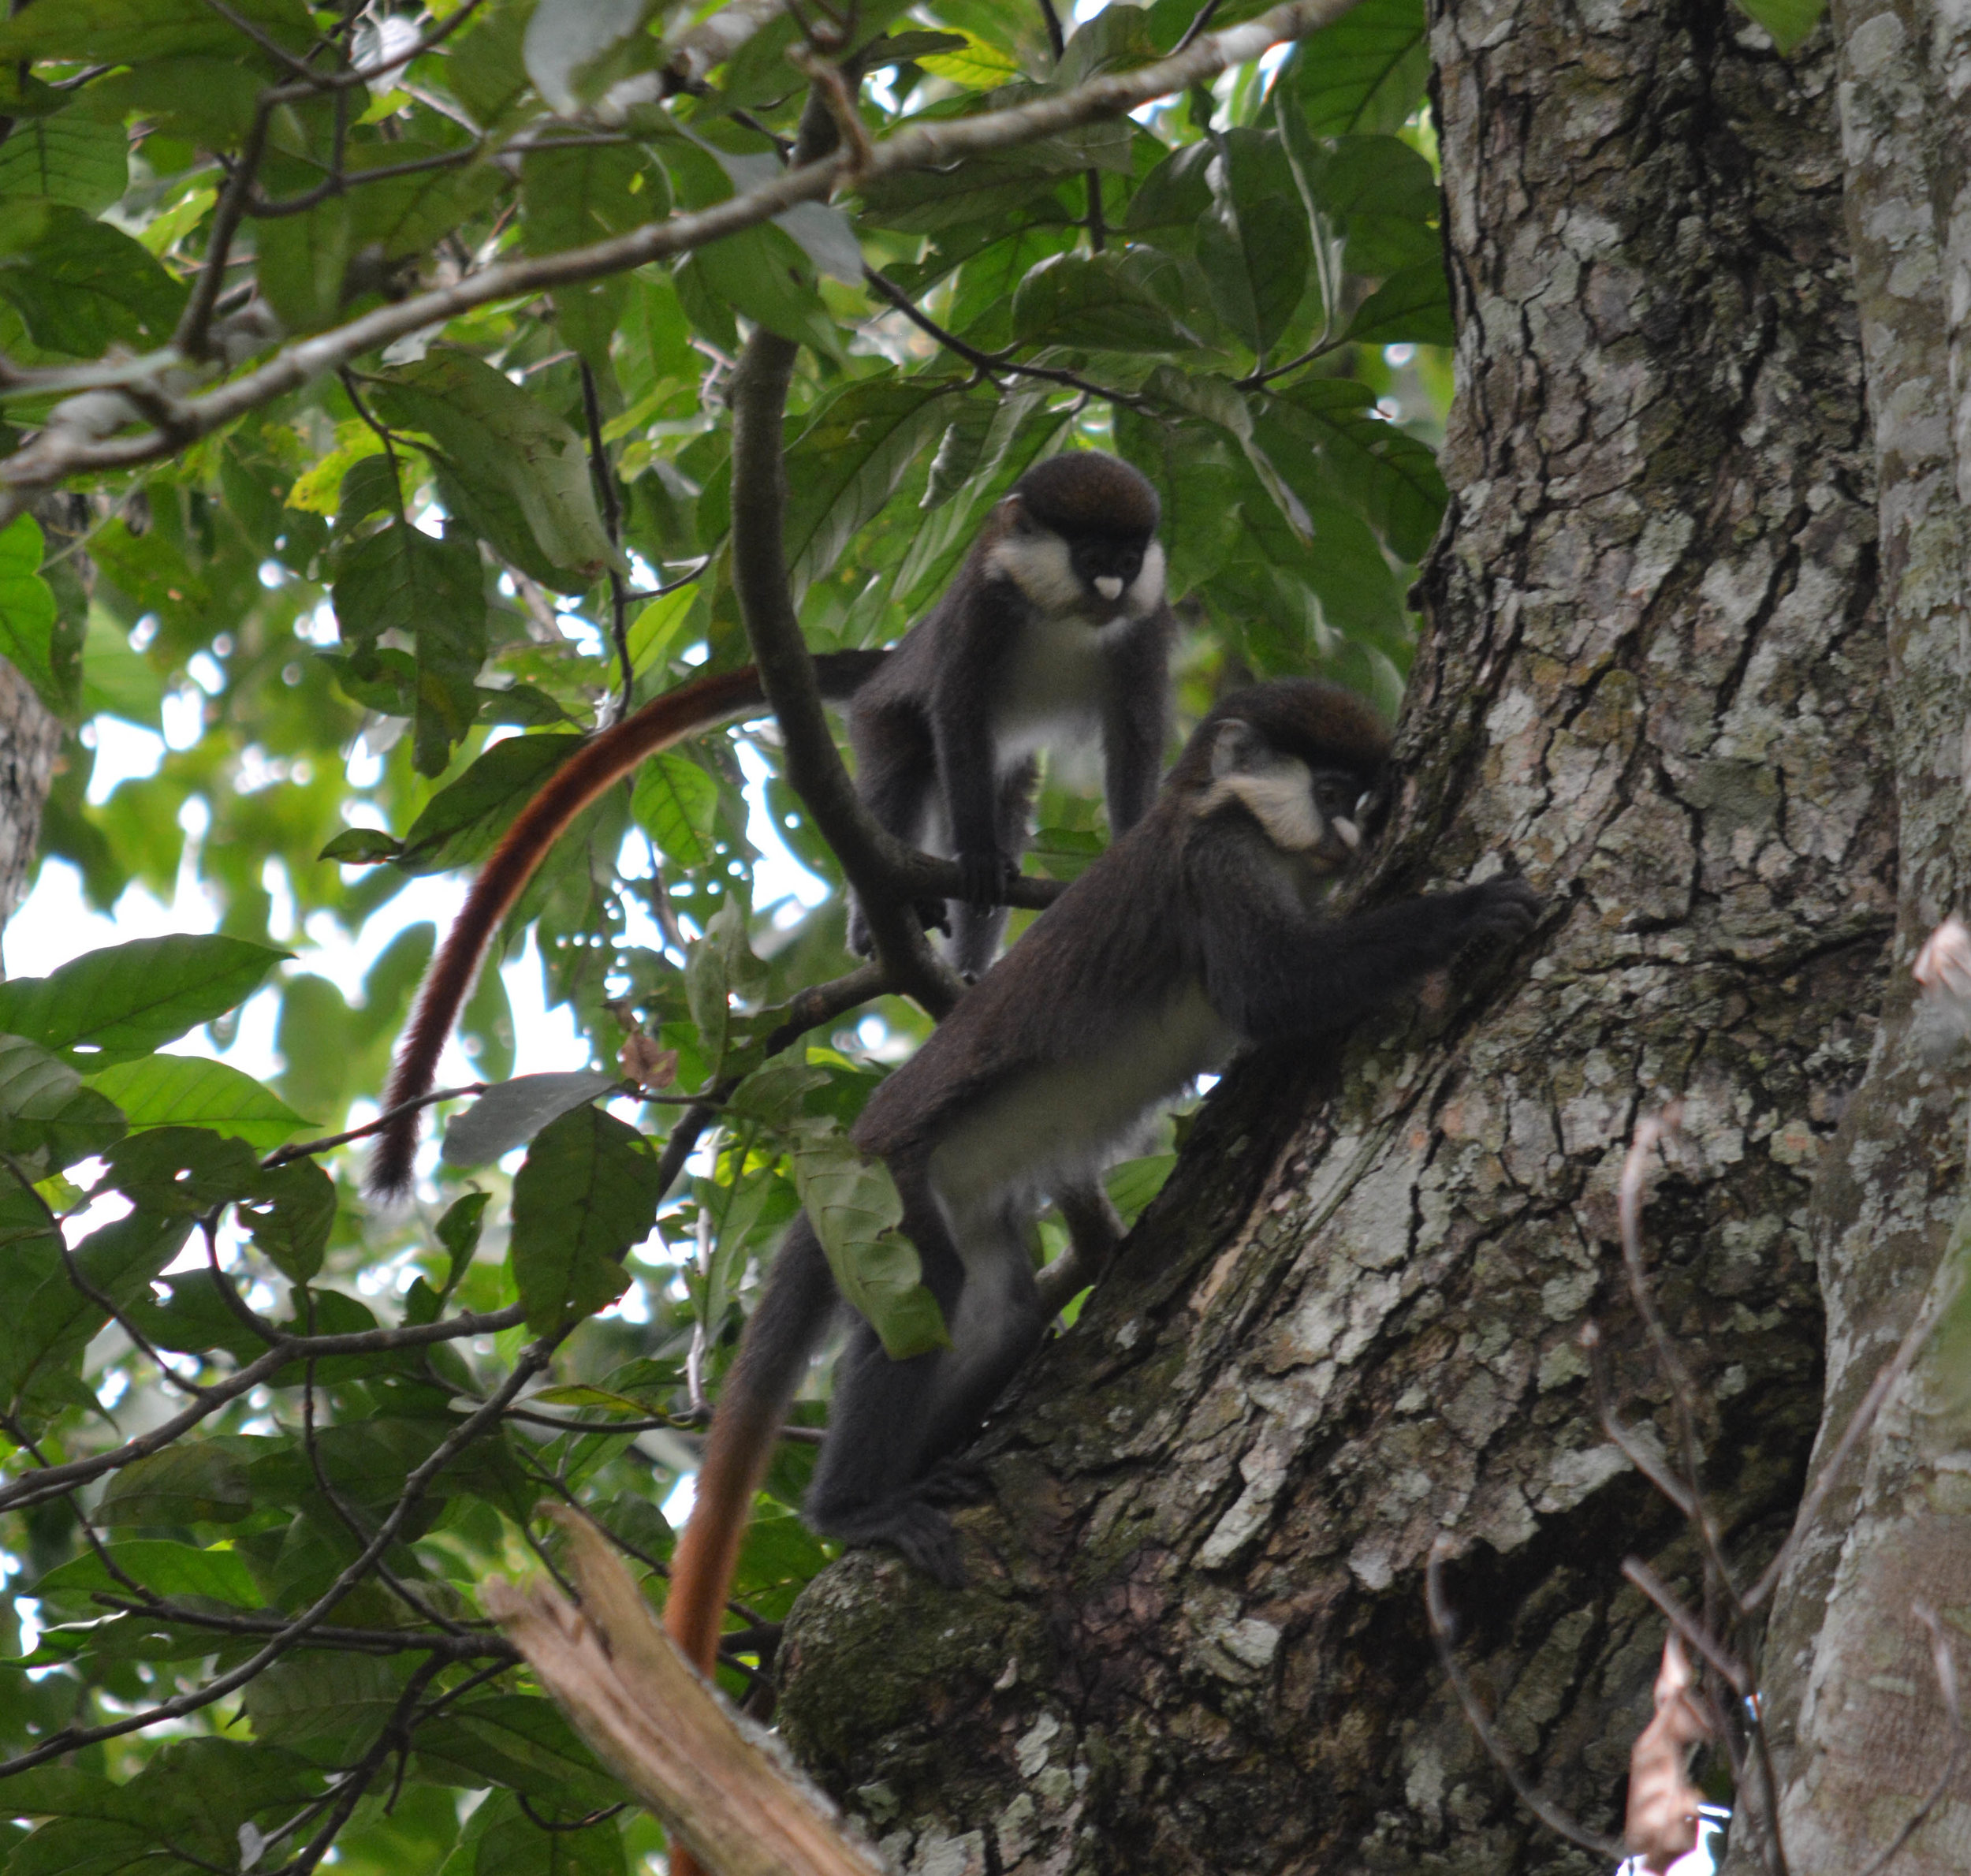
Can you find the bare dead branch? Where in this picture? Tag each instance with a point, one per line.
(647, 1715)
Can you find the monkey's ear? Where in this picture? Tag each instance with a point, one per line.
(1010, 516)
(1236, 746)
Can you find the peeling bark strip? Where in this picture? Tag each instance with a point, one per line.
(1196, 1638)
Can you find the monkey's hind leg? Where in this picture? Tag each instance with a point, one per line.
(895, 775)
(893, 1423)
(976, 930)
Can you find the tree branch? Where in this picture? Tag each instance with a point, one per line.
(54, 1481)
(84, 440)
(71, 1737)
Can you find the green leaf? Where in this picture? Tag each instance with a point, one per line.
(721, 966)
(655, 629)
(511, 456)
(116, 680)
(853, 1204)
(1789, 21)
(974, 64)
(1413, 306)
(1115, 39)
(515, 1740)
(292, 1215)
(164, 1567)
(331, 1705)
(400, 578)
(362, 847)
(568, 43)
(676, 803)
(1366, 72)
(1388, 477)
(66, 158)
(202, 1482)
(128, 1000)
(81, 285)
(181, 1172)
(848, 462)
(130, 31)
(512, 1112)
(486, 1028)
(587, 1191)
(1254, 246)
(764, 273)
(45, 1112)
(1099, 301)
(50, 1322)
(462, 823)
(163, 1090)
(27, 617)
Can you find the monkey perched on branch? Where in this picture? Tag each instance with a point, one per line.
(1055, 633)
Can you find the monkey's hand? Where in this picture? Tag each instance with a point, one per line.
(958, 1480)
(1500, 911)
(985, 874)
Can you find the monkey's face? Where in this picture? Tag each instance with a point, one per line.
(1098, 575)
(1316, 815)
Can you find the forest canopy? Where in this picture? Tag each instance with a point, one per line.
(366, 384)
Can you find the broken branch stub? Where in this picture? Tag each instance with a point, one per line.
(680, 1751)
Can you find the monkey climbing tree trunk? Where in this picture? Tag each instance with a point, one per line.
(1653, 678)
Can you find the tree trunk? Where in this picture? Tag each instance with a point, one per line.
(1857, 1713)
(29, 738)
(1195, 1638)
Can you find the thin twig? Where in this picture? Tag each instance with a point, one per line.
(992, 363)
(306, 1149)
(605, 479)
(73, 444)
(70, 1738)
(37, 1487)
(1542, 1807)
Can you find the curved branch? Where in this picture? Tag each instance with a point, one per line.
(53, 1481)
(84, 441)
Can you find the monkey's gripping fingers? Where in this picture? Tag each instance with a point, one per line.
(985, 874)
(1499, 910)
(958, 1480)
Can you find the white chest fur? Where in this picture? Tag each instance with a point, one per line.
(1071, 1119)
(1060, 672)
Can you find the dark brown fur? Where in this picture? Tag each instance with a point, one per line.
(1195, 901)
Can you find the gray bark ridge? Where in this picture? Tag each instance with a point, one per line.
(1856, 1711)
(1196, 1639)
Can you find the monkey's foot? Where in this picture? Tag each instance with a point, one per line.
(958, 1480)
(914, 1527)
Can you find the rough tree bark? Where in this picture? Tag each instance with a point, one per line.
(1195, 1638)
(29, 739)
(1857, 1713)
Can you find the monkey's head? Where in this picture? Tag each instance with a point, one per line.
(1308, 761)
(1078, 533)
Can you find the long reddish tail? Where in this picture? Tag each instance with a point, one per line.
(784, 1332)
(593, 769)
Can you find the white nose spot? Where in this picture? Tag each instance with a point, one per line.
(1350, 834)
(1108, 585)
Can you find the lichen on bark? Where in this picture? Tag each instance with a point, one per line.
(1653, 681)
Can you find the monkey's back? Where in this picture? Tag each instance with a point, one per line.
(1104, 955)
